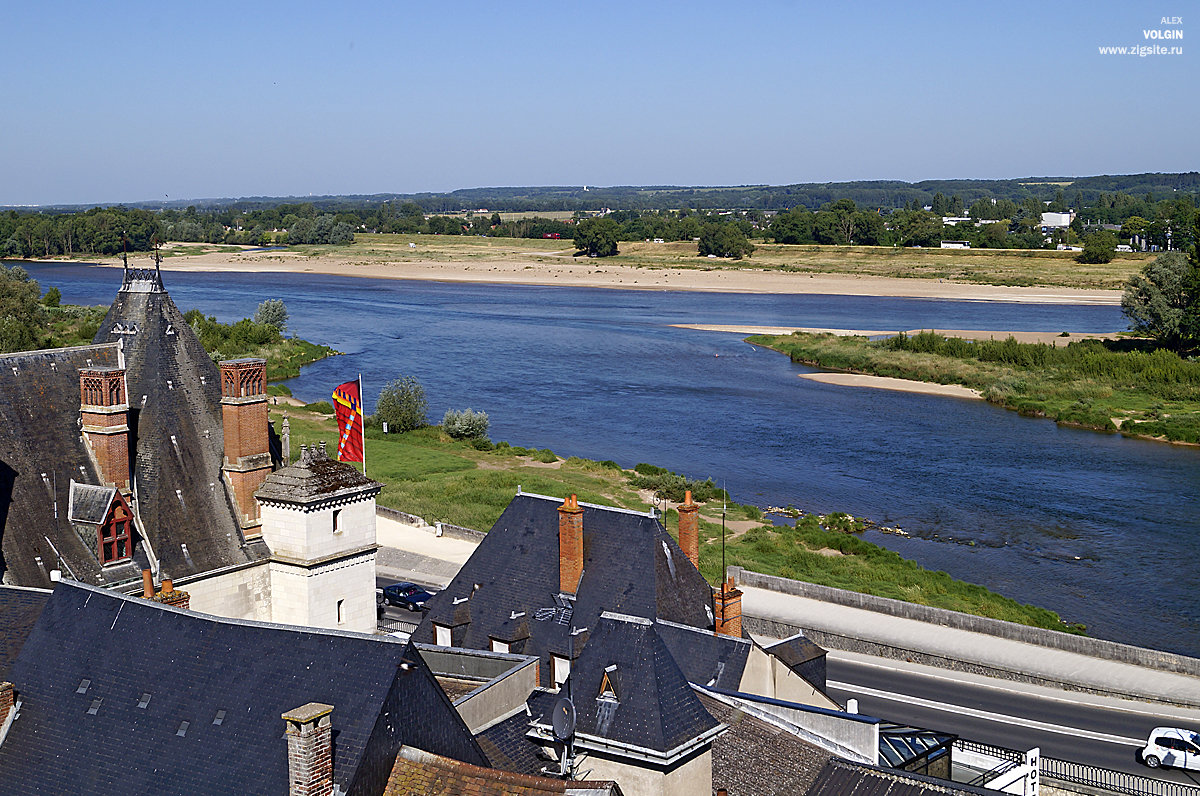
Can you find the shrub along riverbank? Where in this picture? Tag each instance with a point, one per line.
(1104, 385)
(427, 473)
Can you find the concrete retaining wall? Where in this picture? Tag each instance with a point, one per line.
(438, 528)
(1083, 645)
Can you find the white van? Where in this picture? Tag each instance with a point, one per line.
(1173, 747)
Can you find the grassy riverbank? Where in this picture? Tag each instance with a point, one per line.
(428, 474)
(1103, 385)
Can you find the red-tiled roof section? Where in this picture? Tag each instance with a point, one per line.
(420, 773)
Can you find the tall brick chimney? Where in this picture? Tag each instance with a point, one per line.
(310, 750)
(104, 415)
(689, 529)
(728, 610)
(247, 453)
(570, 545)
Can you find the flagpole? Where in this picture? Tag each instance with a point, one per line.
(362, 405)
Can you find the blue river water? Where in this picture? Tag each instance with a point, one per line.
(1103, 529)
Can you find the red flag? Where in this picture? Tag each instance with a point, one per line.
(347, 406)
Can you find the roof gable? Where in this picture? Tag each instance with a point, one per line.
(648, 704)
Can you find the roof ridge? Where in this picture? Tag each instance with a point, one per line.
(223, 620)
(618, 509)
(681, 626)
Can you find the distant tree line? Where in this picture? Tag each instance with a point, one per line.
(908, 217)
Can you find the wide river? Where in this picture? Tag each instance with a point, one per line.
(1105, 530)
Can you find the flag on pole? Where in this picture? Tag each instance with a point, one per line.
(347, 406)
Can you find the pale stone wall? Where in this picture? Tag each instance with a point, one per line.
(238, 594)
(293, 533)
(310, 595)
(693, 778)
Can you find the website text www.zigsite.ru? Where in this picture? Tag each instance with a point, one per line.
(1172, 31)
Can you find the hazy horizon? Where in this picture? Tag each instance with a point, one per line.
(150, 102)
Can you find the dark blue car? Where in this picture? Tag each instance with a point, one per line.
(406, 595)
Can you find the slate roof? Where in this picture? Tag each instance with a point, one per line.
(174, 393)
(841, 777)
(706, 659)
(314, 478)
(803, 656)
(39, 401)
(19, 609)
(230, 680)
(506, 743)
(757, 758)
(418, 772)
(631, 565)
(628, 689)
(88, 503)
(177, 450)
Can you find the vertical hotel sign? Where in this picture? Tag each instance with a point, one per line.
(347, 407)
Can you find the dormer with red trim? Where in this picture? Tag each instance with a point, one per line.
(102, 511)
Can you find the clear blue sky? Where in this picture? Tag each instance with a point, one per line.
(128, 101)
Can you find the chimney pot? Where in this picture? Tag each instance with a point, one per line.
(168, 586)
(147, 584)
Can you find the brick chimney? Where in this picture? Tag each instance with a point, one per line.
(169, 594)
(570, 545)
(310, 750)
(104, 416)
(728, 610)
(247, 453)
(689, 529)
(7, 697)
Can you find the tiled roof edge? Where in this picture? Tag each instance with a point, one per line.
(26, 588)
(43, 351)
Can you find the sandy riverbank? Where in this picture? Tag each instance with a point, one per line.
(886, 383)
(514, 269)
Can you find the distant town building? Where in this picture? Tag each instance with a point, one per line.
(956, 244)
(1057, 220)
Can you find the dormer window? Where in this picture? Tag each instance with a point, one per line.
(114, 535)
(560, 669)
(441, 635)
(499, 646)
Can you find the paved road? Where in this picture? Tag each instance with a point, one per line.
(1082, 728)
(397, 613)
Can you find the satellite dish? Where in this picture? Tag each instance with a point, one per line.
(563, 719)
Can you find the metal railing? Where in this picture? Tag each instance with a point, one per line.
(389, 625)
(1113, 781)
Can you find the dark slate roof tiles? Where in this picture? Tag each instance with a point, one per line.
(313, 477)
(19, 609)
(705, 658)
(631, 565)
(174, 392)
(192, 667)
(627, 688)
(39, 401)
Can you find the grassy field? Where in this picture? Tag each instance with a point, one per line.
(428, 474)
(1107, 386)
(979, 266)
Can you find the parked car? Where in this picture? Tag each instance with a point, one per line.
(406, 595)
(1172, 747)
